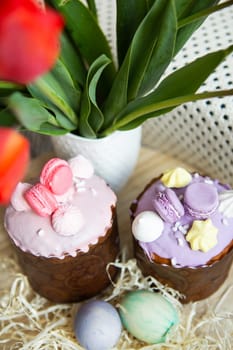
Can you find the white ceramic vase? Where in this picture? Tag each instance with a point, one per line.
(114, 157)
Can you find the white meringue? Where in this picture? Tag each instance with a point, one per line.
(147, 226)
(226, 203)
(81, 167)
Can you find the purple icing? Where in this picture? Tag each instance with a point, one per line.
(168, 205)
(201, 199)
(172, 243)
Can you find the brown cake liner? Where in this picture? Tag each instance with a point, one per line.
(195, 283)
(73, 279)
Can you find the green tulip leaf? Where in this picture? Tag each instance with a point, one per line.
(141, 58)
(56, 89)
(117, 98)
(173, 90)
(184, 10)
(91, 117)
(87, 35)
(166, 106)
(129, 16)
(30, 113)
(70, 57)
(160, 21)
(92, 6)
(7, 118)
(161, 52)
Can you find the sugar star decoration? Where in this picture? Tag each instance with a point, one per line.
(202, 235)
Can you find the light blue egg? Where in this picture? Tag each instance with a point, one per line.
(148, 316)
(97, 325)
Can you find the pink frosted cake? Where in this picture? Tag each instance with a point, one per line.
(182, 225)
(64, 229)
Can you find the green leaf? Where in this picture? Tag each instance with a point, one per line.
(56, 89)
(61, 119)
(87, 35)
(7, 85)
(129, 15)
(117, 98)
(173, 90)
(204, 13)
(32, 115)
(127, 82)
(162, 52)
(91, 117)
(186, 9)
(92, 6)
(141, 49)
(72, 61)
(67, 89)
(7, 118)
(166, 106)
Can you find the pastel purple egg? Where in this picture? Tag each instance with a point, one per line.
(97, 325)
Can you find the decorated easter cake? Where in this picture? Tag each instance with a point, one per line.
(182, 224)
(64, 229)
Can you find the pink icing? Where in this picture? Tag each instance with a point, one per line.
(38, 235)
(18, 201)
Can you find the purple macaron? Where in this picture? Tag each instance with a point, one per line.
(201, 200)
(168, 205)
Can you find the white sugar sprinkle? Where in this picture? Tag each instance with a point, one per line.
(225, 222)
(81, 182)
(173, 261)
(81, 189)
(196, 175)
(94, 192)
(177, 224)
(183, 229)
(180, 242)
(40, 232)
(174, 228)
(208, 181)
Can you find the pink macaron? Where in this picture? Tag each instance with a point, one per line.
(168, 205)
(57, 176)
(41, 200)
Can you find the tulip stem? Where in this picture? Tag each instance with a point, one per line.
(206, 12)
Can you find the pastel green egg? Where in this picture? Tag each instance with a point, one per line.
(148, 316)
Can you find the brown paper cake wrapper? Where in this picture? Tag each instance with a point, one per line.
(76, 278)
(194, 283)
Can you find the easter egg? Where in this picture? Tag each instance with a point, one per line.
(147, 316)
(97, 325)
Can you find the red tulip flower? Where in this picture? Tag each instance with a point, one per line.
(29, 40)
(14, 158)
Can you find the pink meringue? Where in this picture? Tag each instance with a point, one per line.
(67, 220)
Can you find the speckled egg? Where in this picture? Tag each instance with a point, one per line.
(97, 325)
(148, 316)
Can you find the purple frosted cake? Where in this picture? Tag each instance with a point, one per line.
(182, 225)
